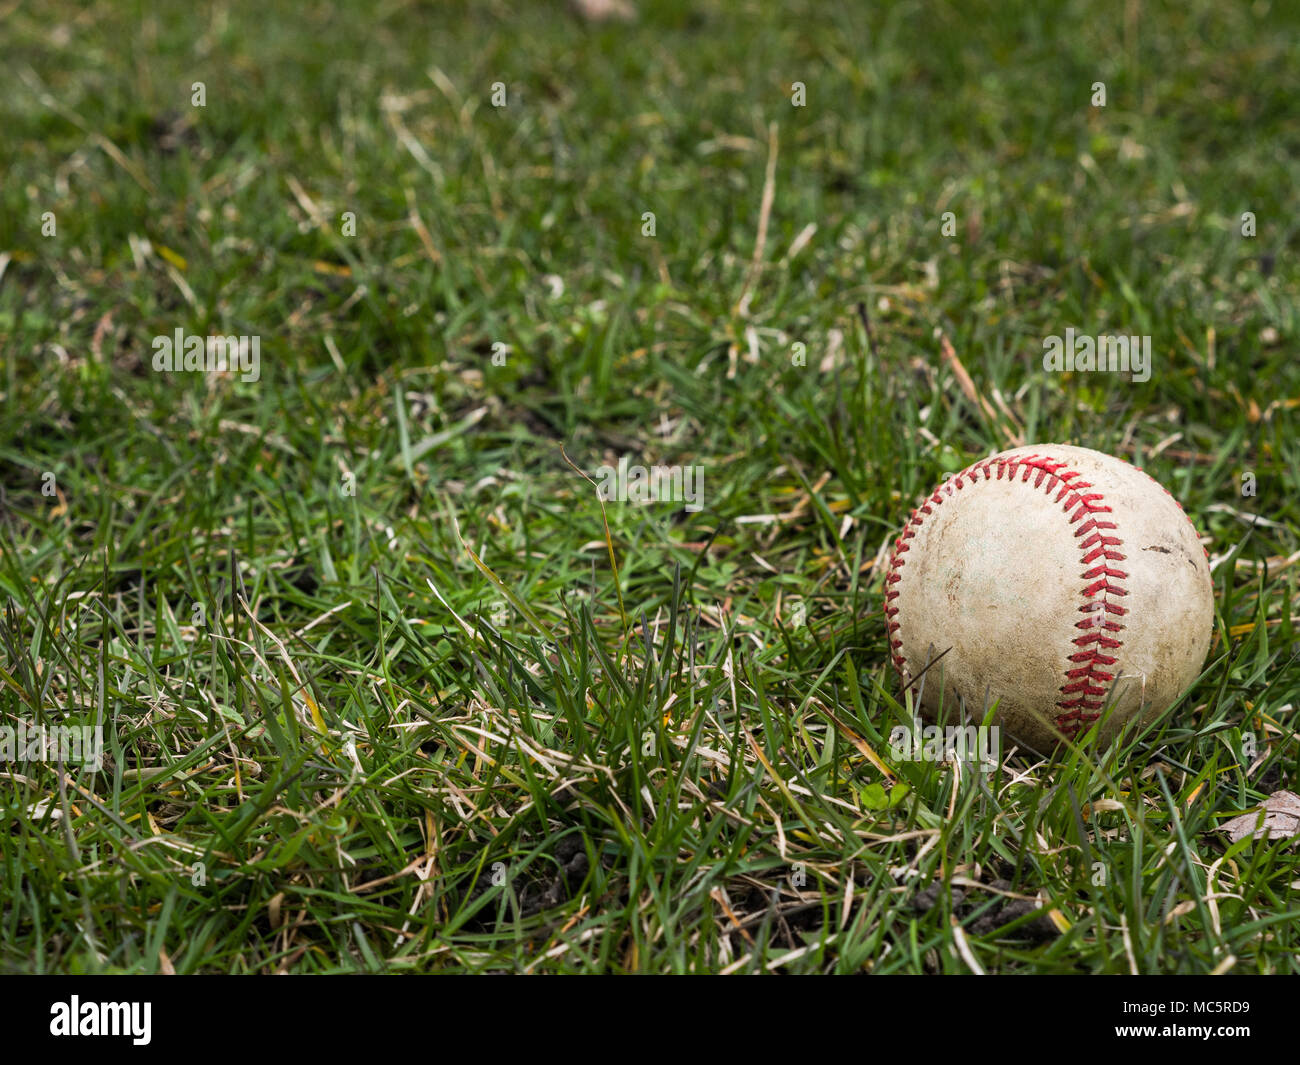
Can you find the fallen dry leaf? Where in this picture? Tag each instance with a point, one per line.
(605, 10)
(1281, 819)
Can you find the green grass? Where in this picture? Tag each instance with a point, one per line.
(372, 695)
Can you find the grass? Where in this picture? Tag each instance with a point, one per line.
(373, 696)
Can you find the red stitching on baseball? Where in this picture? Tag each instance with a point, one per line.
(1085, 686)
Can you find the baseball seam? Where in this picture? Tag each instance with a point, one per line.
(1089, 669)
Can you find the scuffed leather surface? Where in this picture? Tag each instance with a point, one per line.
(994, 575)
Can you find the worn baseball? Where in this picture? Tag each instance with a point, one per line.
(1059, 582)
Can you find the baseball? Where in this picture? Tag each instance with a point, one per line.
(1061, 583)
